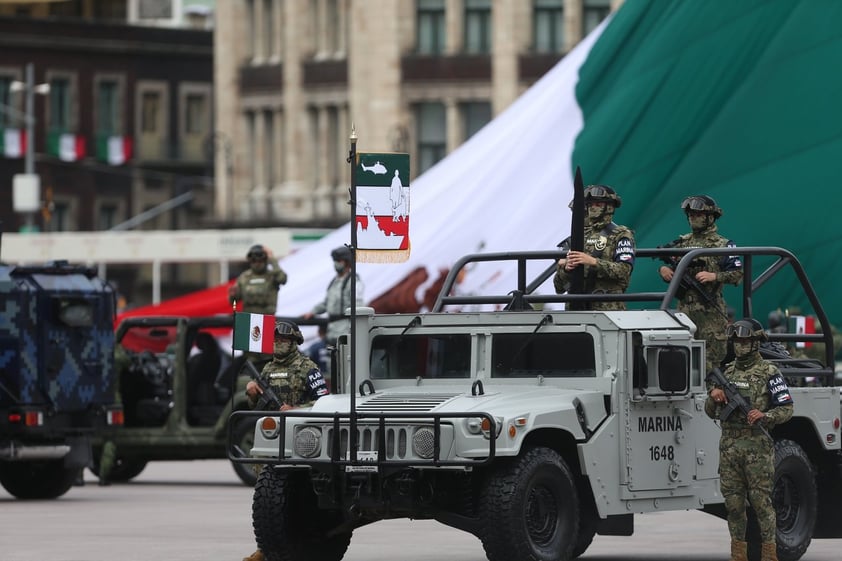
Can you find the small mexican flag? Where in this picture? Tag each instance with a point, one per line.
(254, 332)
(12, 143)
(116, 150)
(802, 324)
(67, 147)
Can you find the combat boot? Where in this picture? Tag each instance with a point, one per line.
(739, 551)
(256, 556)
(769, 552)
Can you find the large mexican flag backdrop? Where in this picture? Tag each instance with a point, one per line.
(737, 100)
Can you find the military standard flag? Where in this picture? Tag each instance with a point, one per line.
(254, 332)
(382, 214)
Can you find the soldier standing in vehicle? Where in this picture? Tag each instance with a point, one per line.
(293, 377)
(701, 298)
(608, 256)
(338, 296)
(257, 287)
(746, 454)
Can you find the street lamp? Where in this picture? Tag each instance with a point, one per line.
(30, 89)
(29, 180)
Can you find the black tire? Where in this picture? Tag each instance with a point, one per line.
(588, 522)
(123, 470)
(37, 480)
(242, 442)
(529, 509)
(288, 524)
(795, 499)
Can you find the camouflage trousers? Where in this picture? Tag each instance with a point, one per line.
(746, 469)
(710, 326)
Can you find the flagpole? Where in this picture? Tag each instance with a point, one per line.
(352, 159)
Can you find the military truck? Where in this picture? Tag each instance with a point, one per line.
(56, 374)
(176, 390)
(536, 428)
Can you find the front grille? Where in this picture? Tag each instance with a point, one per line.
(398, 440)
(410, 403)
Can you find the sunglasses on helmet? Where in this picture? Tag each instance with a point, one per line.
(739, 331)
(256, 256)
(284, 330)
(598, 191)
(695, 203)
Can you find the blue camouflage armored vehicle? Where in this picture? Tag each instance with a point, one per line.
(56, 374)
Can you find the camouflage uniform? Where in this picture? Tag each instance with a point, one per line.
(258, 291)
(337, 299)
(746, 455)
(710, 321)
(294, 378)
(613, 247)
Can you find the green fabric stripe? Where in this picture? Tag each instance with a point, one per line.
(737, 100)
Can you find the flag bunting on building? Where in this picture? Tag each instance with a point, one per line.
(382, 213)
(116, 150)
(802, 324)
(12, 143)
(67, 147)
(254, 332)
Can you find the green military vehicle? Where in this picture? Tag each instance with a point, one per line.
(537, 429)
(176, 389)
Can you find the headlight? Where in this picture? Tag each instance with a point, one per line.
(423, 442)
(308, 442)
(269, 427)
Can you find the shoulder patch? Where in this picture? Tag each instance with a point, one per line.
(779, 391)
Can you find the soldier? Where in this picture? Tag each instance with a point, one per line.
(257, 288)
(701, 297)
(293, 377)
(338, 296)
(608, 258)
(746, 454)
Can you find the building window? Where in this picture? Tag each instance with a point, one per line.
(251, 136)
(477, 26)
(475, 115)
(431, 33)
(548, 26)
(59, 104)
(268, 28)
(251, 18)
(107, 217)
(107, 116)
(594, 12)
(432, 134)
(196, 113)
(7, 110)
(150, 111)
(269, 147)
(60, 219)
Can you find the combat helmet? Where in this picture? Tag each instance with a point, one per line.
(288, 328)
(342, 253)
(602, 194)
(256, 251)
(701, 203)
(746, 328)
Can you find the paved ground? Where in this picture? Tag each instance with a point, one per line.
(199, 511)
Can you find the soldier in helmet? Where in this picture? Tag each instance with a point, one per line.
(338, 296)
(294, 378)
(257, 288)
(746, 454)
(706, 309)
(608, 258)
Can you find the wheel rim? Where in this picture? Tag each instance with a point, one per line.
(542, 515)
(787, 502)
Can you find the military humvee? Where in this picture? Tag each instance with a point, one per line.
(56, 374)
(176, 387)
(536, 429)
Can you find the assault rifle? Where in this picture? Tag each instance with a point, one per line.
(687, 282)
(736, 401)
(268, 399)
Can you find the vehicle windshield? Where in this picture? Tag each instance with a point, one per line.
(395, 357)
(552, 355)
